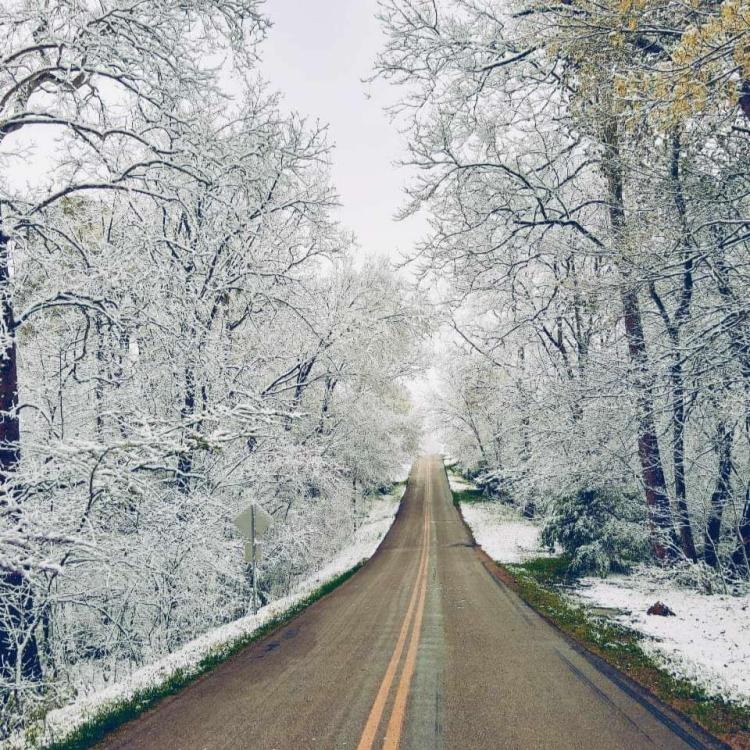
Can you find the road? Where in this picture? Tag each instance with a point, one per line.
(423, 649)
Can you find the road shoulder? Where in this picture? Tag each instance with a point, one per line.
(706, 721)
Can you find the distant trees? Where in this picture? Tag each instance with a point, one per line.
(583, 164)
(183, 333)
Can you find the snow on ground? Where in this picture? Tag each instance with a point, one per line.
(378, 517)
(503, 533)
(459, 484)
(708, 640)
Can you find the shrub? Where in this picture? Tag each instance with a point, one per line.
(602, 530)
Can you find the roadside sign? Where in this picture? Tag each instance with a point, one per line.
(244, 522)
(253, 523)
(249, 552)
(263, 521)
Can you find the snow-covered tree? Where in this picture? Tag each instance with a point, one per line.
(184, 333)
(589, 206)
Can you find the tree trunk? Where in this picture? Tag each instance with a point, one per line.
(185, 462)
(17, 643)
(720, 495)
(657, 499)
(99, 375)
(674, 329)
(677, 384)
(678, 460)
(735, 326)
(330, 385)
(10, 428)
(19, 650)
(741, 556)
(529, 508)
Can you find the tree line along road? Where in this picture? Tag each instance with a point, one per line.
(423, 648)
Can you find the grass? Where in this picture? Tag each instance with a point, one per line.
(114, 715)
(464, 496)
(537, 582)
(468, 496)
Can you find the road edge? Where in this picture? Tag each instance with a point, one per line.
(689, 730)
(112, 716)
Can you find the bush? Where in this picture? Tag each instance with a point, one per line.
(602, 530)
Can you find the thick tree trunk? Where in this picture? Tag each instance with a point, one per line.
(741, 556)
(674, 329)
(720, 495)
(19, 653)
(648, 443)
(660, 512)
(10, 428)
(677, 384)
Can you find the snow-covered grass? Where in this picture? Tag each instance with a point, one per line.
(458, 483)
(707, 641)
(503, 533)
(213, 646)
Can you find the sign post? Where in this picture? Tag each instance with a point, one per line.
(255, 564)
(252, 523)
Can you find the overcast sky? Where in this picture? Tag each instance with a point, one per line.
(316, 55)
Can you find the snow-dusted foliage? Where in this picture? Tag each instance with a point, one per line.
(584, 168)
(183, 333)
(601, 529)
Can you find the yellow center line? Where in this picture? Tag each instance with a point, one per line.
(398, 713)
(376, 712)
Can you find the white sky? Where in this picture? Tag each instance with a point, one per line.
(316, 55)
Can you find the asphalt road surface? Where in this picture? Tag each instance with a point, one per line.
(422, 648)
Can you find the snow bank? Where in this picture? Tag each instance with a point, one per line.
(707, 642)
(403, 474)
(60, 722)
(503, 533)
(459, 484)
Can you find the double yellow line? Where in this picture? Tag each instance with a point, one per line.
(413, 617)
